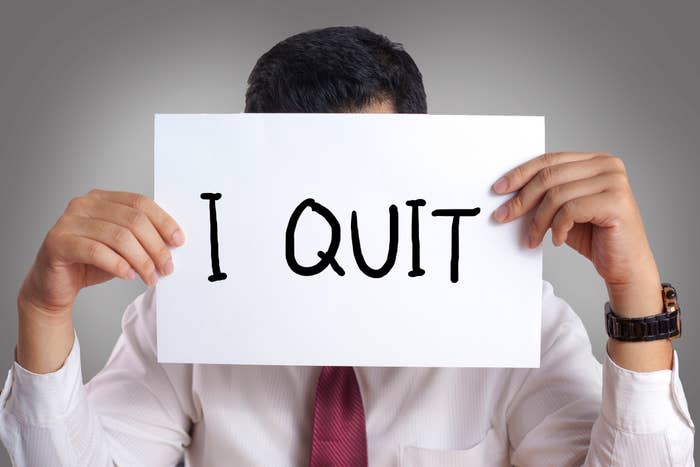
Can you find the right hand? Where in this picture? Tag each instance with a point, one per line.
(101, 235)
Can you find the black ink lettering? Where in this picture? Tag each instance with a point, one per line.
(393, 245)
(328, 256)
(415, 238)
(455, 214)
(217, 275)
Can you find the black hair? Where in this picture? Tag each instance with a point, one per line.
(336, 69)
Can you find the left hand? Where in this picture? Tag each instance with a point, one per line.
(587, 202)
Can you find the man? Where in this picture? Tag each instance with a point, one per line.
(136, 412)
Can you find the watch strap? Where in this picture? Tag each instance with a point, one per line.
(662, 326)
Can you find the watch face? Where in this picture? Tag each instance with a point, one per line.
(670, 298)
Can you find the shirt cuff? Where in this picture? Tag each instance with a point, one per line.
(643, 402)
(41, 399)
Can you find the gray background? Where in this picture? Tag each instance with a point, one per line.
(80, 82)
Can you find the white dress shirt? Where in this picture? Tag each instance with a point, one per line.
(137, 412)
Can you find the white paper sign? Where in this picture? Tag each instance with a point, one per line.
(288, 298)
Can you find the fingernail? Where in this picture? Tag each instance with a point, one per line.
(130, 274)
(501, 185)
(178, 238)
(501, 213)
(168, 268)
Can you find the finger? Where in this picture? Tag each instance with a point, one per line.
(556, 196)
(516, 178)
(163, 222)
(75, 249)
(137, 222)
(119, 239)
(598, 209)
(550, 176)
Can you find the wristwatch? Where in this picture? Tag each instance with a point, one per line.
(665, 325)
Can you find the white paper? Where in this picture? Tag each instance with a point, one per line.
(264, 165)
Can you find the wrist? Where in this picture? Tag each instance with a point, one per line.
(44, 337)
(29, 312)
(637, 299)
(30, 303)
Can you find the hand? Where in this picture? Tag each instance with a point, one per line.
(101, 235)
(587, 202)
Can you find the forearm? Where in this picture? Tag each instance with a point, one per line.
(44, 340)
(641, 356)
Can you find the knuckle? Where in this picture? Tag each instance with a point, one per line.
(94, 250)
(537, 223)
(515, 175)
(135, 218)
(552, 196)
(569, 208)
(550, 157)
(619, 180)
(547, 175)
(618, 163)
(147, 265)
(122, 266)
(163, 254)
(76, 204)
(628, 199)
(557, 221)
(515, 204)
(103, 229)
(63, 222)
(121, 235)
(139, 202)
(94, 192)
(166, 223)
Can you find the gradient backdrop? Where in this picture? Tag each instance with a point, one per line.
(80, 82)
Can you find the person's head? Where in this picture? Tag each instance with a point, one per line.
(337, 69)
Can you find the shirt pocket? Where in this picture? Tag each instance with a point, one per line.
(492, 451)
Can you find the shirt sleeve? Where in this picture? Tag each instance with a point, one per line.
(572, 412)
(135, 412)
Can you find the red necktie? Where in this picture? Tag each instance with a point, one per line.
(339, 437)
